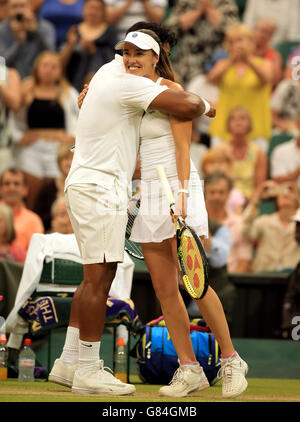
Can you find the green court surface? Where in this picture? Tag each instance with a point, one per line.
(259, 390)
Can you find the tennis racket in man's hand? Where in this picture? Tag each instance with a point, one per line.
(191, 255)
(134, 249)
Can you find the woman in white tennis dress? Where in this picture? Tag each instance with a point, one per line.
(153, 226)
(153, 222)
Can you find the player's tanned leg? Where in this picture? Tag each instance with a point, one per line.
(160, 262)
(212, 310)
(89, 301)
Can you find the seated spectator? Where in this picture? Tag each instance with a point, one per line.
(89, 45)
(54, 188)
(23, 37)
(263, 32)
(46, 120)
(9, 250)
(285, 101)
(219, 159)
(122, 14)
(200, 27)
(285, 14)
(217, 190)
(10, 99)
(243, 80)
(285, 160)
(60, 221)
(273, 234)
(62, 14)
(250, 165)
(13, 191)
(3, 10)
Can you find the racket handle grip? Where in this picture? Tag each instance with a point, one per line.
(162, 175)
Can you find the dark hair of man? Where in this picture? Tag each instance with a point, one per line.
(164, 34)
(163, 67)
(13, 170)
(216, 176)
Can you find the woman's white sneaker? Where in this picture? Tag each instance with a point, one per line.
(100, 380)
(233, 371)
(186, 379)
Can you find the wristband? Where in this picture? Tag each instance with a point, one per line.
(183, 191)
(207, 106)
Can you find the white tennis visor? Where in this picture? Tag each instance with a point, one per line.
(140, 40)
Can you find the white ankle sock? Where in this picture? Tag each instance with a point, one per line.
(89, 352)
(70, 353)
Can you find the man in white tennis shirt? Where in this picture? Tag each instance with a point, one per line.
(97, 195)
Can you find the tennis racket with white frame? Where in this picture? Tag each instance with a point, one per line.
(191, 255)
(133, 248)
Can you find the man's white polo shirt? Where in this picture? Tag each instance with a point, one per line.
(107, 138)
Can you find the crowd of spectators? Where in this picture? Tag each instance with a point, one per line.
(245, 59)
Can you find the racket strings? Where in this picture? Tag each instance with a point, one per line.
(131, 247)
(193, 263)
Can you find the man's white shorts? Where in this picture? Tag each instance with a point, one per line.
(99, 218)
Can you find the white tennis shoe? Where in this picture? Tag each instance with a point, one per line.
(233, 371)
(62, 373)
(100, 381)
(186, 379)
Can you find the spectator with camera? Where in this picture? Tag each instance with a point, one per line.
(273, 235)
(23, 36)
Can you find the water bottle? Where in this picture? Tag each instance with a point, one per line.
(2, 321)
(121, 361)
(3, 357)
(26, 362)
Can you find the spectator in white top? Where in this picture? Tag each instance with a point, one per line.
(285, 14)
(124, 13)
(285, 160)
(285, 101)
